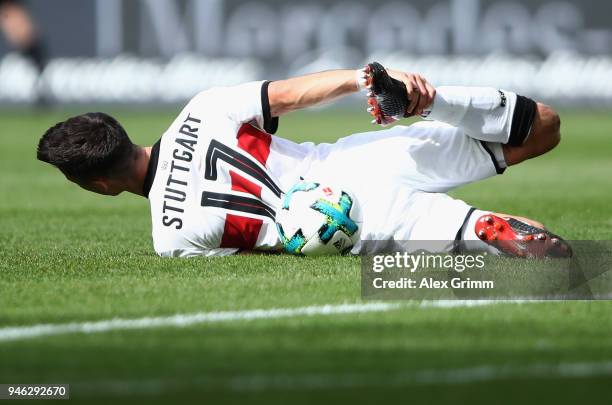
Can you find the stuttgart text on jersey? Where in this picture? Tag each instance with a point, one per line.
(175, 192)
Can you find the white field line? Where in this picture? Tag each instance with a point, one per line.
(271, 382)
(183, 320)
(424, 377)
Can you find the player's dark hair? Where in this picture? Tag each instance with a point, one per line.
(87, 146)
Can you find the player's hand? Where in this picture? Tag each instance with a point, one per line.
(420, 92)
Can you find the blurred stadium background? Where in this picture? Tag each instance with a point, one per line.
(163, 51)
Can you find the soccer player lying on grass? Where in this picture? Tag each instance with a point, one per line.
(216, 177)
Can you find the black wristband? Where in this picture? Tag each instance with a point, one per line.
(522, 121)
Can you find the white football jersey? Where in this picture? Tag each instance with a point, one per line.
(212, 186)
(216, 176)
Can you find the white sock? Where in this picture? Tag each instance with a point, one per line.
(484, 113)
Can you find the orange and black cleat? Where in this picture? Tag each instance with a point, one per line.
(387, 97)
(520, 239)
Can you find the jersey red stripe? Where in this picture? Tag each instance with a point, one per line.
(255, 142)
(239, 183)
(240, 232)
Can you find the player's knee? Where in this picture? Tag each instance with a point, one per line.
(550, 127)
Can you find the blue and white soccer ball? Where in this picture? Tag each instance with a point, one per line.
(317, 219)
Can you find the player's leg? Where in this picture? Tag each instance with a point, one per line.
(500, 127)
(449, 224)
(511, 235)
(526, 129)
(437, 157)
(544, 135)
(472, 133)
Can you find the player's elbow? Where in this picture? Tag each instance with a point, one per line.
(551, 125)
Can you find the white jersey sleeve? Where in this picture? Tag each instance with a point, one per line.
(244, 103)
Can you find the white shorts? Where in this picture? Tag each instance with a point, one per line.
(399, 177)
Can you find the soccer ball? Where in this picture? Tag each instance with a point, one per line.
(316, 219)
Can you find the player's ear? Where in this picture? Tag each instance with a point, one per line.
(103, 186)
(100, 185)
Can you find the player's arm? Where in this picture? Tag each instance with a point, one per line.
(261, 102)
(265, 101)
(309, 90)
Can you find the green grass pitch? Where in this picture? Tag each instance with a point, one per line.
(70, 256)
